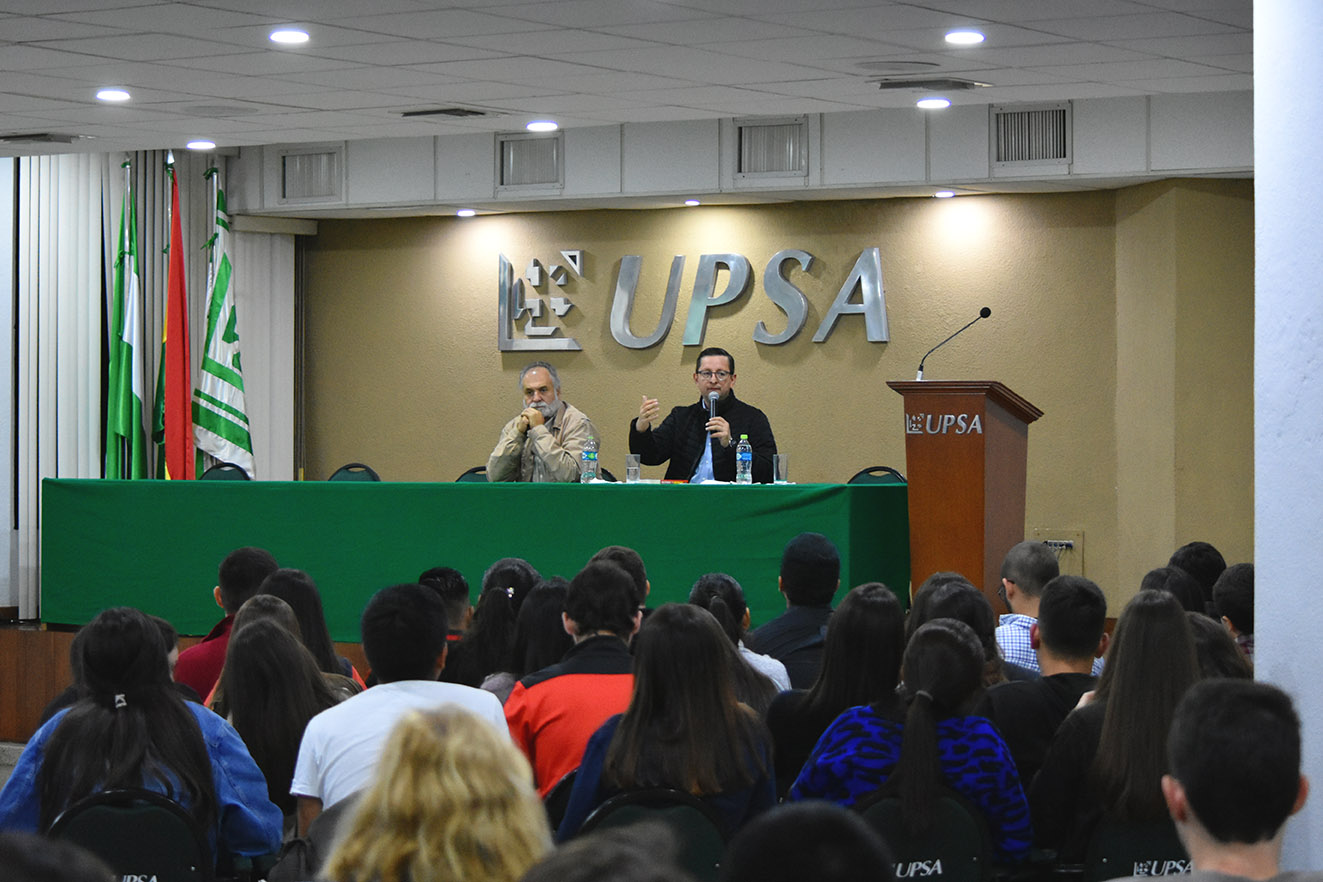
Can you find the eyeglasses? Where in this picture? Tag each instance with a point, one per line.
(714, 375)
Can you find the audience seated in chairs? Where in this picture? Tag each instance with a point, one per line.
(453, 589)
(140, 733)
(815, 841)
(485, 647)
(1233, 601)
(30, 858)
(644, 852)
(1178, 583)
(758, 678)
(540, 639)
(1108, 757)
(683, 729)
(451, 801)
(935, 745)
(1218, 654)
(1204, 562)
(810, 575)
(951, 596)
(860, 665)
(1067, 635)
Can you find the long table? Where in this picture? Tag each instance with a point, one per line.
(156, 544)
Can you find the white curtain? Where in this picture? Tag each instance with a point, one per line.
(60, 305)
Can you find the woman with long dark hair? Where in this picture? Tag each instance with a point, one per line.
(272, 687)
(485, 647)
(684, 728)
(1108, 757)
(936, 745)
(540, 638)
(860, 665)
(297, 588)
(131, 729)
(948, 595)
(758, 678)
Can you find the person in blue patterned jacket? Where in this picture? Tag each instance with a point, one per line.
(935, 745)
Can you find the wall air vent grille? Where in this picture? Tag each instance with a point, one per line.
(528, 161)
(773, 148)
(312, 176)
(1031, 136)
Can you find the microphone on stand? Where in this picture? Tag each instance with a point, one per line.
(982, 314)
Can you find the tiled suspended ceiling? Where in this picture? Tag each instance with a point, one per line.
(207, 69)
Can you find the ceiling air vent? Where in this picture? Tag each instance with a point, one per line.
(452, 112)
(531, 161)
(1034, 136)
(772, 148)
(928, 84)
(311, 176)
(40, 138)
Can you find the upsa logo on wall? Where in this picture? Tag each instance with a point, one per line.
(531, 305)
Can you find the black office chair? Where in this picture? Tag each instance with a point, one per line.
(699, 830)
(1134, 848)
(477, 473)
(877, 475)
(558, 798)
(959, 838)
(224, 471)
(139, 834)
(354, 471)
(605, 475)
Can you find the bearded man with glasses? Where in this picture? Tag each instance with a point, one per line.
(545, 441)
(700, 446)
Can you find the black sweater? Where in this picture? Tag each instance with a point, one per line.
(681, 436)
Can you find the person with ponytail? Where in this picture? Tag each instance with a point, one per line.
(758, 678)
(936, 745)
(486, 645)
(131, 729)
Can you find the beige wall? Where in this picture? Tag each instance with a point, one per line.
(402, 369)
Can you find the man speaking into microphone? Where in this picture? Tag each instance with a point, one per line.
(699, 439)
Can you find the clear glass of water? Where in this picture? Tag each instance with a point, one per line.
(633, 468)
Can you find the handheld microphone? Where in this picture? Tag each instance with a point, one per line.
(982, 314)
(712, 404)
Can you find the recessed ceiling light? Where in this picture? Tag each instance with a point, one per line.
(964, 38)
(542, 125)
(944, 194)
(289, 36)
(112, 94)
(201, 145)
(692, 202)
(466, 212)
(933, 103)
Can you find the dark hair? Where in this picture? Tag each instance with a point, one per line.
(714, 350)
(297, 588)
(540, 639)
(169, 636)
(131, 728)
(684, 727)
(861, 656)
(261, 607)
(1150, 664)
(450, 584)
(815, 840)
(485, 647)
(1178, 583)
(601, 598)
(404, 632)
(644, 851)
(1202, 561)
(631, 562)
(1235, 749)
(1218, 654)
(810, 570)
(241, 575)
(1233, 596)
(943, 673)
(1071, 617)
(949, 595)
(28, 857)
(272, 688)
(1030, 565)
(723, 597)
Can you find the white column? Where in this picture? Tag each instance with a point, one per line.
(1288, 379)
(9, 537)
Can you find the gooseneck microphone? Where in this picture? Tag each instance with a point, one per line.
(982, 314)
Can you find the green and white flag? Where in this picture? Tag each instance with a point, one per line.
(220, 421)
(126, 441)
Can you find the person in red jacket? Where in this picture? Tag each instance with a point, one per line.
(241, 574)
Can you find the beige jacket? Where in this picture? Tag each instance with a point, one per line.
(549, 452)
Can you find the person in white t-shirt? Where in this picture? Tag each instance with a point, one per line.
(404, 638)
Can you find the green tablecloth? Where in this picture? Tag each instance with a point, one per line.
(156, 544)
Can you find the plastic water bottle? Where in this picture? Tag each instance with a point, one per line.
(744, 461)
(588, 461)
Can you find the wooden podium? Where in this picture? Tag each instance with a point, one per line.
(966, 445)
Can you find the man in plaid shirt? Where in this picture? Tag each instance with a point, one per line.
(1026, 568)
